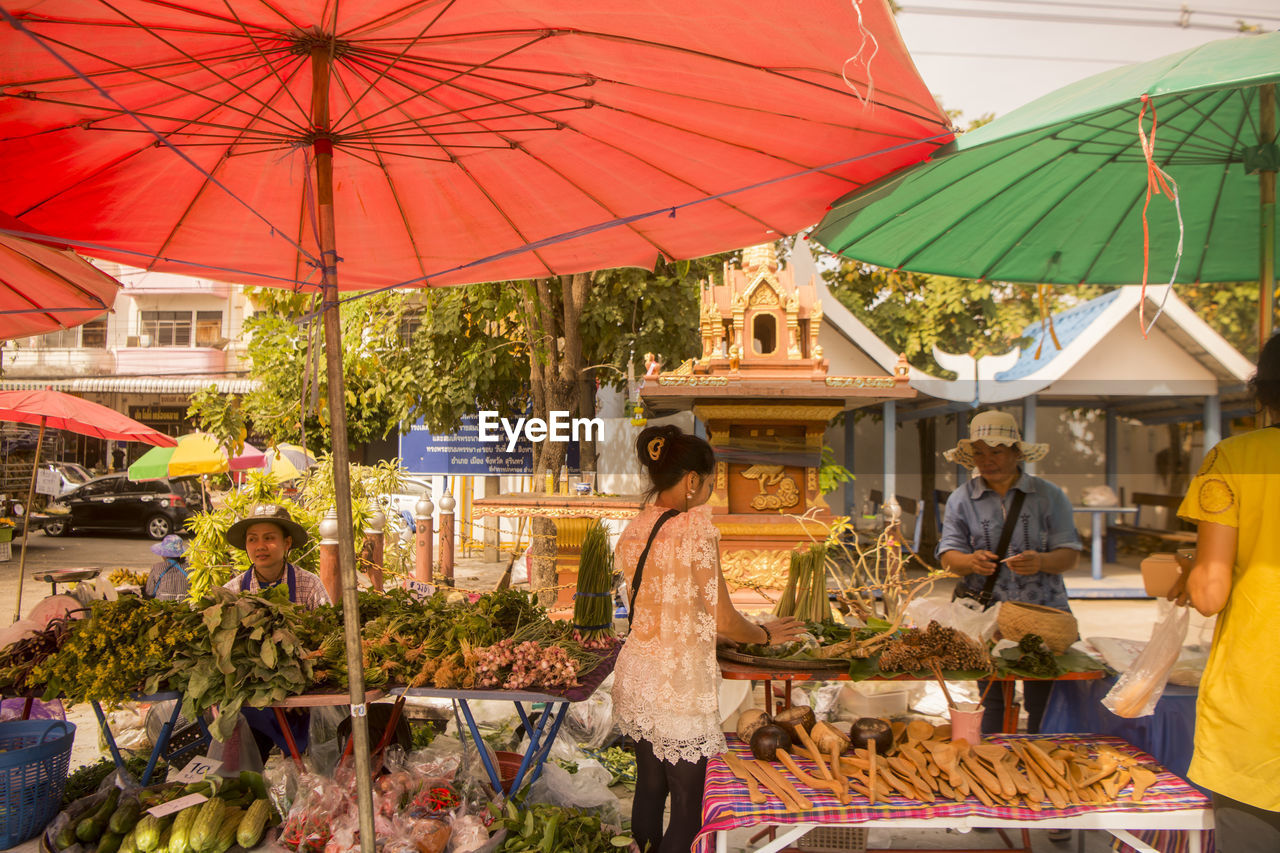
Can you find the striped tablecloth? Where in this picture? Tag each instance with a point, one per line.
(726, 805)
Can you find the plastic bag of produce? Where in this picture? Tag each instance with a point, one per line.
(590, 722)
(470, 835)
(587, 788)
(1142, 685)
(958, 614)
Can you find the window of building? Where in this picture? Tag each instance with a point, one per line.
(61, 339)
(409, 327)
(93, 334)
(182, 328)
(208, 328)
(167, 328)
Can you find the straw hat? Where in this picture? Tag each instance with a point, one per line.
(994, 428)
(272, 514)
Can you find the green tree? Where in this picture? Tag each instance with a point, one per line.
(1231, 308)
(219, 415)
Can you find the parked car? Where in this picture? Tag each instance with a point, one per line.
(155, 507)
(70, 475)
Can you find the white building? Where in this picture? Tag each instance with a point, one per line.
(166, 337)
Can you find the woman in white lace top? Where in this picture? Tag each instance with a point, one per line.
(666, 683)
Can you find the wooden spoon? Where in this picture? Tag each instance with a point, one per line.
(739, 769)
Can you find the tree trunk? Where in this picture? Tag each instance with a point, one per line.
(553, 387)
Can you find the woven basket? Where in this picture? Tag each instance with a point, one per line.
(1057, 627)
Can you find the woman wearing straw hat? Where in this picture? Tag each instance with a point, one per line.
(1041, 546)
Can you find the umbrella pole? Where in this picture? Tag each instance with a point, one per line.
(1267, 218)
(26, 527)
(321, 57)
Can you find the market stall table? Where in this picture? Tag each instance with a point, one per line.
(1097, 532)
(542, 734)
(1169, 804)
(734, 671)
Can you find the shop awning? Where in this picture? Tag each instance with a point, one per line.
(133, 384)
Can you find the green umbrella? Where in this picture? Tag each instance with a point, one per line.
(1054, 191)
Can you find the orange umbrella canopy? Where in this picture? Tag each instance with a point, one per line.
(44, 286)
(459, 131)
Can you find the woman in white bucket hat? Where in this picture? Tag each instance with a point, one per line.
(1042, 544)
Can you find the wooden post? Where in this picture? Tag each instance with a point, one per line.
(26, 519)
(321, 57)
(446, 539)
(330, 574)
(422, 565)
(1267, 218)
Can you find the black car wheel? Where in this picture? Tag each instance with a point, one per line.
(159, 526)
(56, 528)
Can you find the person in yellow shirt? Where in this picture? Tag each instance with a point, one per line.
(1235, 502)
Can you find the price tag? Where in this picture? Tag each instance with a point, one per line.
(175, 806)
(423, 589)
(196, 769)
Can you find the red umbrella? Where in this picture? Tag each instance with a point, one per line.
(455, 131)
(56, 410)
(44, 286)
(443, 142)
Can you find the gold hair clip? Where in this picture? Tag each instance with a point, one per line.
(655, 448)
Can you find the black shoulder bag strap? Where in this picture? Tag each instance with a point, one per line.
(1002, 547)
(644, 555)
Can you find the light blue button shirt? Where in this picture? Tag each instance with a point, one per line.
(974, 520)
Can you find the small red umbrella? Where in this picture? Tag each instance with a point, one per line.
(44, 286)
(56, 410)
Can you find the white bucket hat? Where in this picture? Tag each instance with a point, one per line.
(994, 428)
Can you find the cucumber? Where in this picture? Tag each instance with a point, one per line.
(180, 838)
(204, 830)
(110, 843)
(91, 827)
(252, 825)
(125, 816)
(147, 833)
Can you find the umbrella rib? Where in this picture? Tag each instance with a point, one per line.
(207, 178)
(1119, 223)
(460, 112)
(395, 195)
(123, 69)
(926, 114)
(1245, 121)
(262, 55)
(207, 68)
(50, 272)
(416, 94)
(354, 102)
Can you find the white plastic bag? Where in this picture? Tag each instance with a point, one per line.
(587, 788)
(1142, 685)
(963, 614)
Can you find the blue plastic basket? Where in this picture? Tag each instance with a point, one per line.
(34, 758)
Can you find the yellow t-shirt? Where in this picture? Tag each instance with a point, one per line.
(1237, 748)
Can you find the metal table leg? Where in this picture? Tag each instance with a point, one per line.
(161, 744)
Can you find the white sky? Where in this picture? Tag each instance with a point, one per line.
(983, 56)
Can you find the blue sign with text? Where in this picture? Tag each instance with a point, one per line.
(462, 452)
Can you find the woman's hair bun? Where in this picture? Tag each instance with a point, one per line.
(668, 453)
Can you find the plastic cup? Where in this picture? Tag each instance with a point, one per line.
(966, 722)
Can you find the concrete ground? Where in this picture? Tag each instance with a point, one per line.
(1122, 617)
